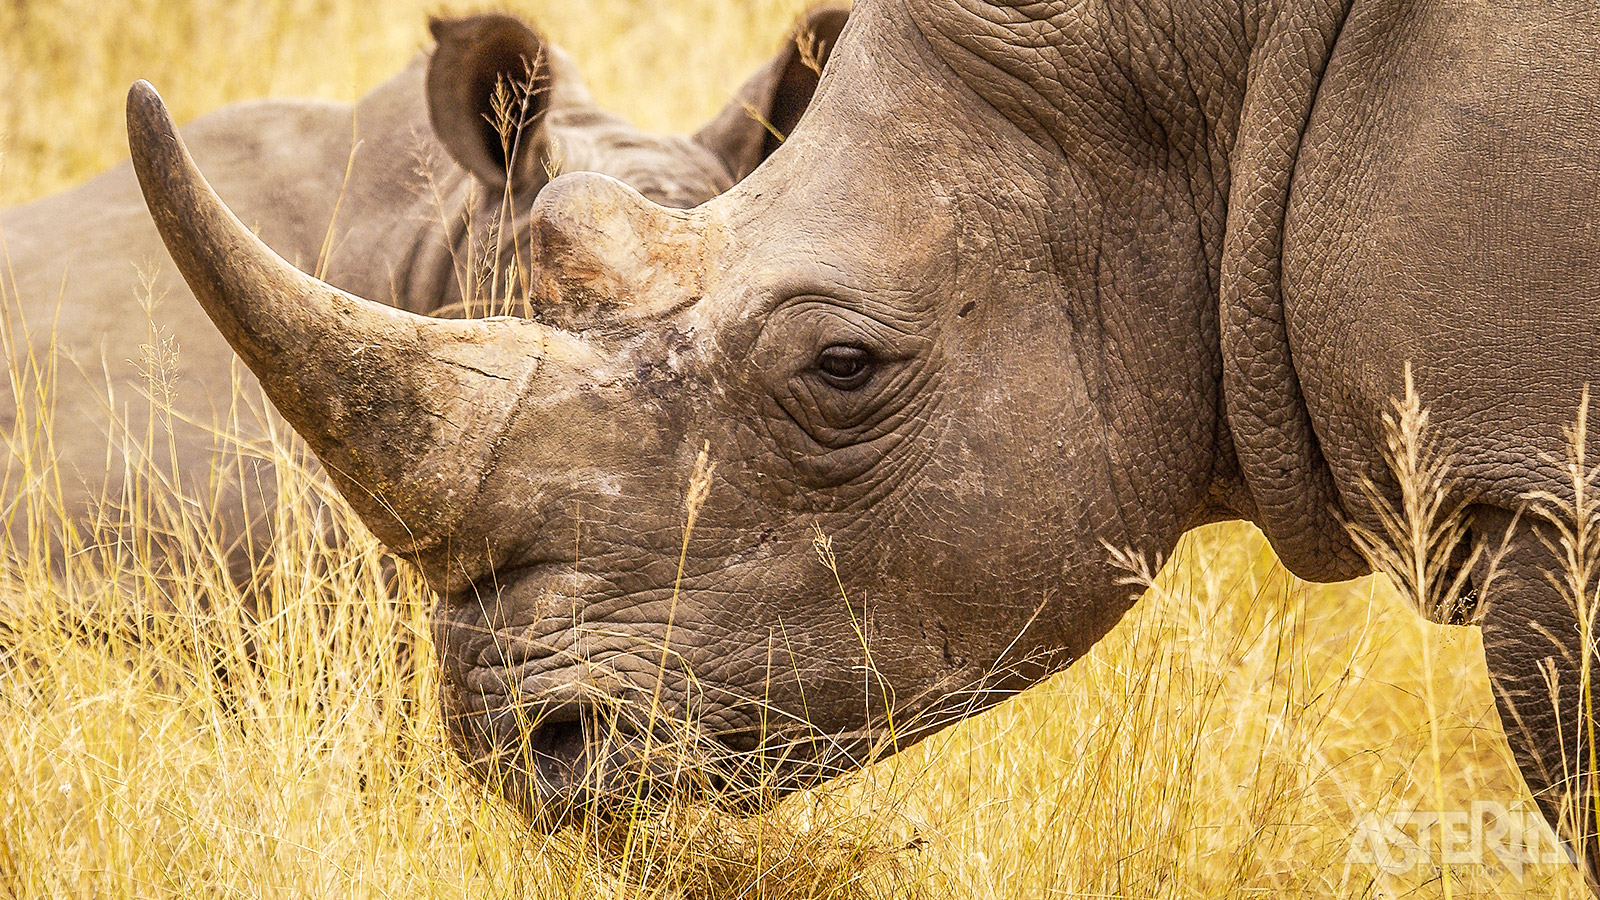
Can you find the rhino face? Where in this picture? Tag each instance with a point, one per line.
(808, 471)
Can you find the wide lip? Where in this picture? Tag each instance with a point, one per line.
(637, 773)
(700, 772)
(606, 772)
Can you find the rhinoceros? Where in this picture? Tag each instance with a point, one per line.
(416, 195)
(840, 452)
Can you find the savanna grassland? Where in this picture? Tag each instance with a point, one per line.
(1227, 740)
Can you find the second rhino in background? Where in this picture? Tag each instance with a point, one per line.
(111, 353)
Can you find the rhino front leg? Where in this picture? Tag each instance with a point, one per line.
(1534, 640)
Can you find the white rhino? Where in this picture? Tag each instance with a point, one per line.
(407, 196)
(1030, 279)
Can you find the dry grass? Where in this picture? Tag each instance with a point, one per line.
(1224, 742)
(68, 63)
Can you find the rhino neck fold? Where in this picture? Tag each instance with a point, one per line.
(1290, 485)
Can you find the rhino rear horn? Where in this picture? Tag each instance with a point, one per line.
(403, 410)
(606, 256)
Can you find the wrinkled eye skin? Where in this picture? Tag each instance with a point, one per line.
(839, 388)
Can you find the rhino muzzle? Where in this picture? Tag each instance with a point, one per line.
(561, 761)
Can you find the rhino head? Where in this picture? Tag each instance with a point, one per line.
(513, 111)
(811, 470)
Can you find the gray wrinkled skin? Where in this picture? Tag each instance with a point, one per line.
(414, 222)
(1028, 281)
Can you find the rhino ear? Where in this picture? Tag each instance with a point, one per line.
(488, 89)
(771, 103)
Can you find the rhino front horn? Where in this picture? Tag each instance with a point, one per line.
(403, 410)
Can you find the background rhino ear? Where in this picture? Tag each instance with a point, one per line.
(488, 88)
(770, 104)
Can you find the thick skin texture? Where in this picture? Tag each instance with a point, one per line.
(1027, 282)
(399, 197)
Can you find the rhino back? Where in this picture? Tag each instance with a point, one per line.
(1446, 213)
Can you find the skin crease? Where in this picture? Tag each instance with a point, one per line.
(1118, 269)
(313, 177)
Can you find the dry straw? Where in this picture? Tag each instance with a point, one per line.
(164, 734)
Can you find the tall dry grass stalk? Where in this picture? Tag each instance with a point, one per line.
(1573, 517)
(163, 735)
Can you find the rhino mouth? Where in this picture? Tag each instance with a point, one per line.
(573, 760)
(604, 760)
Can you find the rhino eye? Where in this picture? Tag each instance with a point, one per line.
(845, 367)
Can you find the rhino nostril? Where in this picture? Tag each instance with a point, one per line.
(565, 741)
(560, 750)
